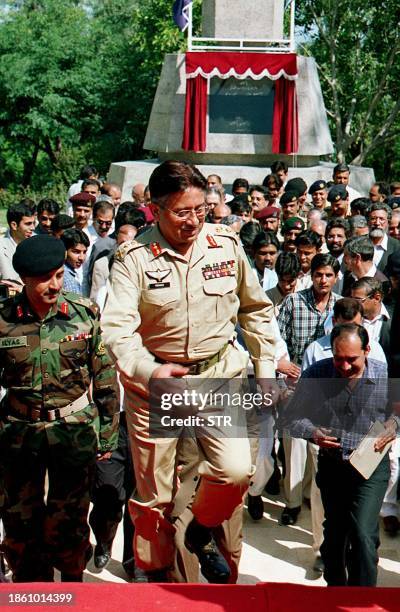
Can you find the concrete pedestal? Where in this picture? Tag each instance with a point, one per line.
(126, 174)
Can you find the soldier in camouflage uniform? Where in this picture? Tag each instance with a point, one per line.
(52, 358)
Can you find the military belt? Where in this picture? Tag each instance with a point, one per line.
(197, 367)
(36, 414)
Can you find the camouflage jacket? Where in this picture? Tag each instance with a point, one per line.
(50, 363)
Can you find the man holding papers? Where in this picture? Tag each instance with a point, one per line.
(337, 404)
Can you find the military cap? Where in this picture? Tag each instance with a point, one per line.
(38, 255)
(288, 196)
(83, 199)
(298, 185)
(267, 212)
(393, 264)
(337, 192)
(293, 223)
(317, 186)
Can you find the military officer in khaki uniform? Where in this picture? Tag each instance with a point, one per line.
(176, 295)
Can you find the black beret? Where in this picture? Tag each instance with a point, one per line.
(288, 196)
(337, 192)
(83, 199)
(317, 186)
(296, 184)
(38, 255)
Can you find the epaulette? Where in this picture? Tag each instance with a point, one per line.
(82, 301)
(125, 248)
(218, 229)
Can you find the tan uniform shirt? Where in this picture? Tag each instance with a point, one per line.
(161, 305)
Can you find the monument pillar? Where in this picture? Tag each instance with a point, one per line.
(237, 19)
(239, 125)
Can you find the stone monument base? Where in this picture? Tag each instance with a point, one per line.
(127, 174)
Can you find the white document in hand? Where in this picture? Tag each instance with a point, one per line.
(365, 459)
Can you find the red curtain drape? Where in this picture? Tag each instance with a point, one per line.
(285, 123)
(282, 68)
(195, 130)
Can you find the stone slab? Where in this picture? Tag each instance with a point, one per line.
(165, 128)
(126, 174)
(242, 19)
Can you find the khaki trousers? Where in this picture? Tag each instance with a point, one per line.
(224, 474)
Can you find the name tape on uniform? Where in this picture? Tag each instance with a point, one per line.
(13, 341)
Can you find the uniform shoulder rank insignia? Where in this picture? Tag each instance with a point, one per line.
(219, 270)
(101, 349)
(125, 248)
(212, 244)
(64, 308)
(155, 248)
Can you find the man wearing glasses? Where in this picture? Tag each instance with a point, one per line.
(176, 295)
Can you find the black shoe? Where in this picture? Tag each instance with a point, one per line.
(199, 540)
(255, 507)
(272, 487)
(289, 515)
(140, 575)
(102, 556)
(71, 577)
(391, 525)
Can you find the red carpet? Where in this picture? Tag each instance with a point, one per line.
(273, 597)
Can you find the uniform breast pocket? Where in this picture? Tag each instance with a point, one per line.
(18, 367)
(160, 305)
(220, 300)
(73, 357)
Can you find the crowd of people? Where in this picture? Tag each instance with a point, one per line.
(192, 279)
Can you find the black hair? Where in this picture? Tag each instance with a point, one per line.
(240, 205)
(361, 205)
(72, 237)
(240, 183)
(88, 171)
(309, 238)
(48, 204)
(17, 211)
(89, 181)
(324, 259)
(350, 329)
(278, 166)
(265, 239)
(341, 168)
(62, 222)
(273, 178)
(259, 188)
(173, 177)
(287, 264)
(103, 207)
(132, 216)
(347, 308)
(248, 232)
(339, 223)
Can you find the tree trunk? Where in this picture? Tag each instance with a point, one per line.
(29, 166)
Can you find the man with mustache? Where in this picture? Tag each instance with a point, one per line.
(59, 382)
(378, 220)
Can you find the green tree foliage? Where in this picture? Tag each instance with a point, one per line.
(357, 48)
(77, 81)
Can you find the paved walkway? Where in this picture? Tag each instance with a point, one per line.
(272, 552)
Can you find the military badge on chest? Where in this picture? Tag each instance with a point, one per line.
(219, 269)
(158, 277)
